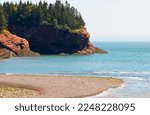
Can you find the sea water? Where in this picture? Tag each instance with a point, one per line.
(129, 61)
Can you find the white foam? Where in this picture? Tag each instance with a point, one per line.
(108, 93)
(9, 74)
(137, 78)
(122, 72)
(135, 72)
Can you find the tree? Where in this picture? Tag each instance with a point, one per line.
(55, 24)
(27, 14)
(3, 22)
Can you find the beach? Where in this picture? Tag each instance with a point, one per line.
(42, 86)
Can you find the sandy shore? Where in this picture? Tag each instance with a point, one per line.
(54, 87)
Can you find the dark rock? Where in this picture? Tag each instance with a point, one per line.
(48, 40)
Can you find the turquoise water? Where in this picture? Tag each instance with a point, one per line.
(129, 61)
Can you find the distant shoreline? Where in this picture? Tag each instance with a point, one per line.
(54, 86)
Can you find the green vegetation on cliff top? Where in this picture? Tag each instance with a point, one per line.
(3, 21)
(27, 14)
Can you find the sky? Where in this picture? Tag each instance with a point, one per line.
(114, 20)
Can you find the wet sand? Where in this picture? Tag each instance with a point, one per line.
(42, 86)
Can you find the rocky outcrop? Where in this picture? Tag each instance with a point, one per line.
(12, 45)
(89, 49)
(48, 40)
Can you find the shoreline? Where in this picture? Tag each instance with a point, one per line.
(107, 94)
(57, 86)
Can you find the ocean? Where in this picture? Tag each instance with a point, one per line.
(129, 61)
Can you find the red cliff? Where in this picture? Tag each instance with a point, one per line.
(12, 45)
(89, 49)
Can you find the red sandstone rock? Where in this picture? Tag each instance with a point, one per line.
(12, 45)
(90, 49)
(84, 32)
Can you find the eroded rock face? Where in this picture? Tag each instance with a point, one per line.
(89, 49)
(12, 45)
(48, 40)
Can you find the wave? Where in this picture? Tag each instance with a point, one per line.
(108, 93)
(137, 78)
(144, 81)
(103, 73)
(135, 73)
(120, 72)
(7, 74)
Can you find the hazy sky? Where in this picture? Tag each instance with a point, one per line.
(114, 20)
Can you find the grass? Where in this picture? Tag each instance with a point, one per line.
(76, 31)
(5, 32)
